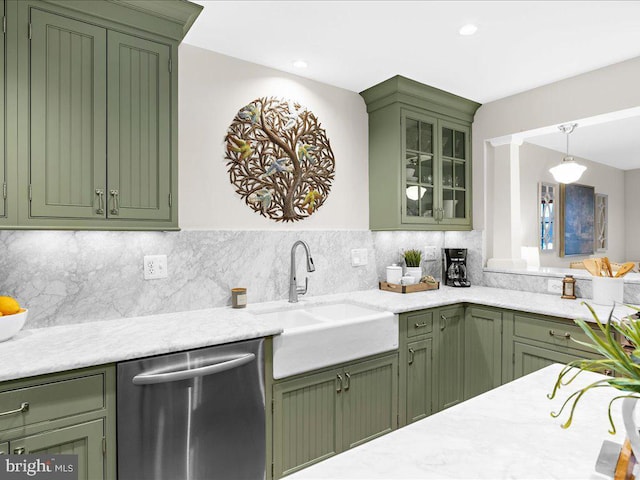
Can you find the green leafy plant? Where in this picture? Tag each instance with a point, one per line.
(615, 359)
(412, 257)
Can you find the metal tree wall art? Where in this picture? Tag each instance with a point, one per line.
(279, 159)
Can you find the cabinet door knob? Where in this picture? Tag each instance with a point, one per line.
(339, 388)
(443, 322)
(19, 451)
(420, 325)
(411, 354)
(347, 377)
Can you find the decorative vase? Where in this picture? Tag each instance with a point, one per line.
(415, 272)
(628, 417)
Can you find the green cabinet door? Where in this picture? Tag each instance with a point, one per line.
(3, 132)
(84, 440)
(454, 199)
(449, 355)
(418, 368)
(370, 400)
(420, 171)
(67, 117)
(530, 358)
(483, 351)
(4, 448)
(307, 420)
(139, 128)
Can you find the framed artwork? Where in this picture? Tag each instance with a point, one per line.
(547, 193)
(602, 222)
(577, 219)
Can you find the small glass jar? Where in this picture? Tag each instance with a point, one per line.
(238, 297)
(569, 287)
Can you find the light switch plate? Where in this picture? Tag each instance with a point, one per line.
(554, 286)
(430, 253)
(155, 266)
(359, 257)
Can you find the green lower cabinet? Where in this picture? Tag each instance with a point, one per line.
(530, 358)
(532, 342)
(318, 415)
(84, 440)
(449, 355)
(419, 377)
(370, 400)
(68, 413)
(483, 351)
(307, 421)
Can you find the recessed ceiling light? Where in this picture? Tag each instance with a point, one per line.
(468, 29)
(300, 64)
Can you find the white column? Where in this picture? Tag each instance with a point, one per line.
(507, 230)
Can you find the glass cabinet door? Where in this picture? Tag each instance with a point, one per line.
(455, 173)
(419, 172)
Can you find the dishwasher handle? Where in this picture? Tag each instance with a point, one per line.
(155, 378)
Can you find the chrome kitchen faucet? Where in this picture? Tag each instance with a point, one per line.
(294, 289)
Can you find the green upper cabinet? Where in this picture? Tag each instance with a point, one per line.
(68, 124)
(139, 140)
(3, 133)
(419, 157)
(96, 122)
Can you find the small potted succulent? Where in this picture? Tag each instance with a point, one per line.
(412, 259)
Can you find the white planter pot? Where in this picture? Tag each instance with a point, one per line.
(630, 423)
(415, 272)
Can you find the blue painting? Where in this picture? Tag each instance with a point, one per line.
(579, 219)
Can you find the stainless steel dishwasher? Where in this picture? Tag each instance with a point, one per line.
(197, 415)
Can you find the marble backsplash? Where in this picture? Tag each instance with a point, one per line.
(73, 277)
(538, 284)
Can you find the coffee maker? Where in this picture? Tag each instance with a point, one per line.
(454, 267)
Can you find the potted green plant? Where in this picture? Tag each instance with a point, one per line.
(412, 259)
(625, 367)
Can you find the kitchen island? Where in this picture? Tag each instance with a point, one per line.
(506, 433)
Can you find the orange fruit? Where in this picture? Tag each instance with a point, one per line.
(9, 305)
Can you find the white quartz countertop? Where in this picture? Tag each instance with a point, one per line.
(506, 433)
(54, 349)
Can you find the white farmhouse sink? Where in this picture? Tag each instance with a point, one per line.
(318, 336)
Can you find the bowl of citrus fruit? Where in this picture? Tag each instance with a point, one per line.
(12, 317)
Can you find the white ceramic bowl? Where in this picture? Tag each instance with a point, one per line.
(12, 324)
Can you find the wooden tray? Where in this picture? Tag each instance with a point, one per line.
(416, 287)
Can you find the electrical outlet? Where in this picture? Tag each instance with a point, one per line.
(554, 286)
(430, 253)
(359, 257)
(155, 266)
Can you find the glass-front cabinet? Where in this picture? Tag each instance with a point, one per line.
(420, 173)
(435, 171)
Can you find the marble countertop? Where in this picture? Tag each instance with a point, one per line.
(393, 302)
(66, 347)
(503, 434)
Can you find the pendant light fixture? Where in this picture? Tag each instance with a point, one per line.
(568, 171)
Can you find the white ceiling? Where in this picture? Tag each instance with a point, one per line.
(519, 45)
